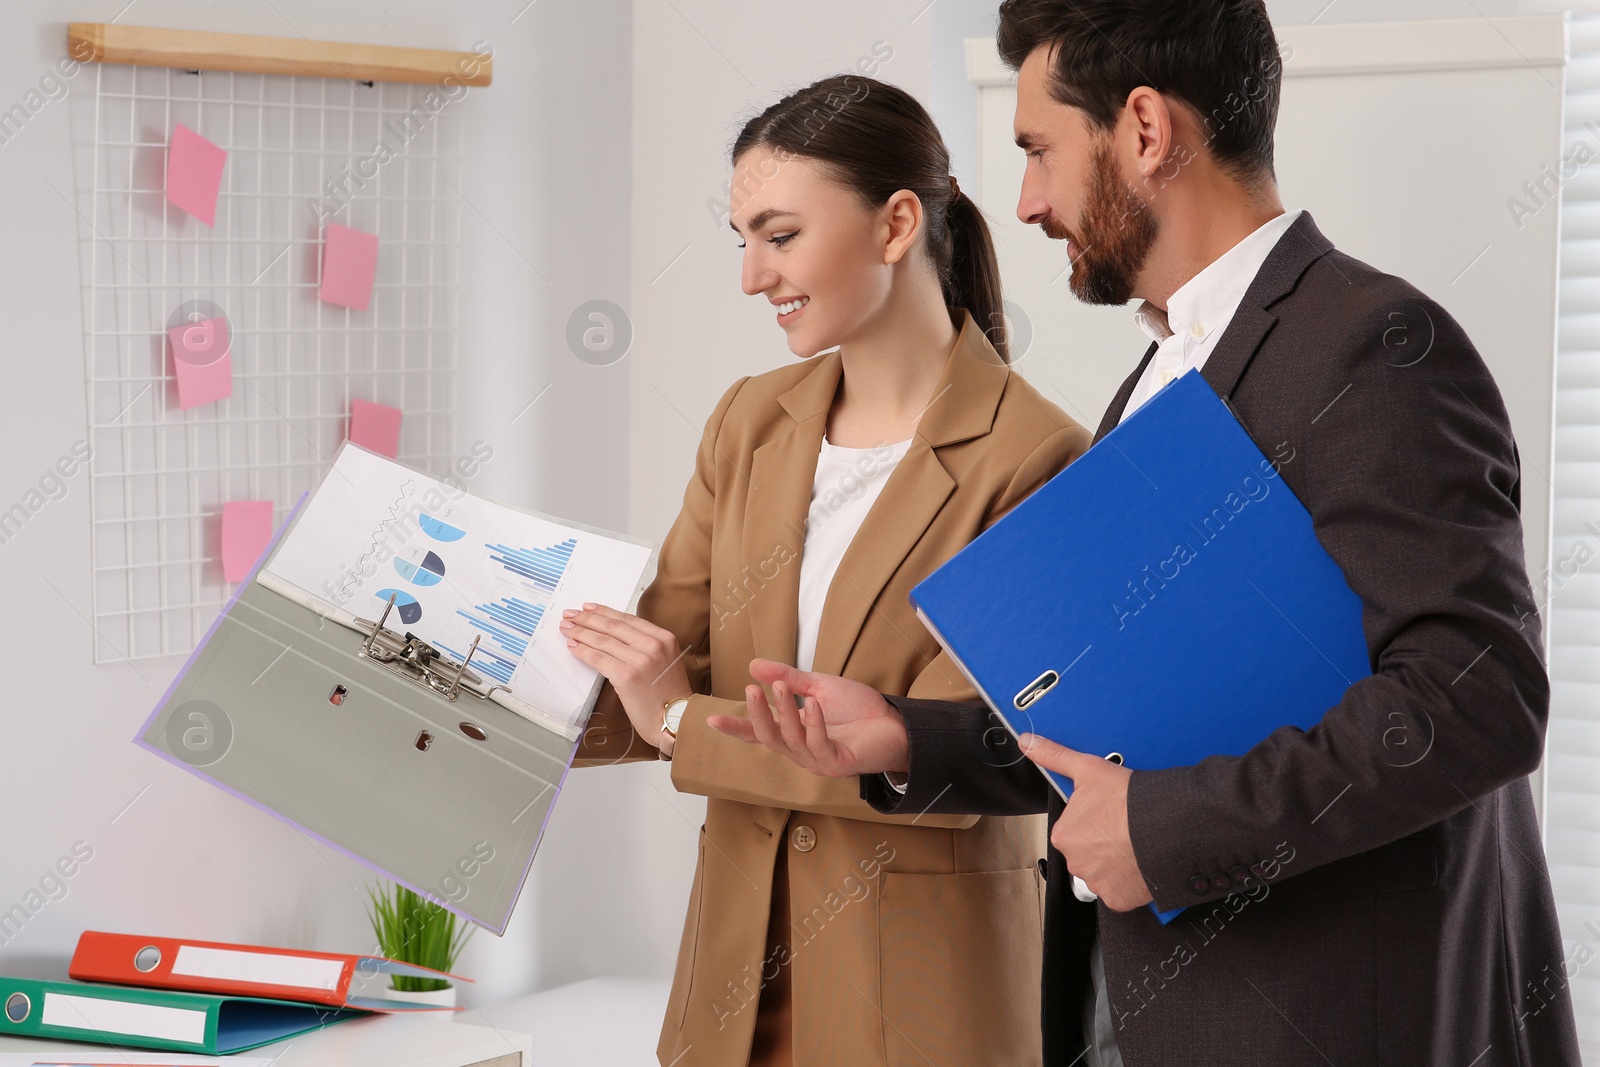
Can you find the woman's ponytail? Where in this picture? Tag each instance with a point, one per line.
(973, 280)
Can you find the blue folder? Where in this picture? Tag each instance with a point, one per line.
(1161, 600)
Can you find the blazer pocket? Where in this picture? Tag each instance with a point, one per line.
(683, 975)
(959, 958)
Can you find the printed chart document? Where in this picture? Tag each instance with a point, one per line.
(459, 568)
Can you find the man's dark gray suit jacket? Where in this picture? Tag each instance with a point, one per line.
(1373, 890)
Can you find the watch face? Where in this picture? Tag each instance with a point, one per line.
(675, 712)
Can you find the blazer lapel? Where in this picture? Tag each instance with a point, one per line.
(964, 405)
(1113, 415)
(781, 475)
(1301, 245)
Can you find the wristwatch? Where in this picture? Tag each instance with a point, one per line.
(671, 715)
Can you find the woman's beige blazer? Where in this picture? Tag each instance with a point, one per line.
(911, 940)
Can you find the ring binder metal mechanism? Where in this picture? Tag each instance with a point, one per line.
(411, 657)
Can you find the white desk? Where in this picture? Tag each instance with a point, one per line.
(603, 1022)
(371, 1041)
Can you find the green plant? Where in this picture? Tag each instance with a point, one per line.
(412, 929)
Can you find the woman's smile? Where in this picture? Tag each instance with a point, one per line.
(789, 310)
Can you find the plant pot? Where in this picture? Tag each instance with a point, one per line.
(438, 998)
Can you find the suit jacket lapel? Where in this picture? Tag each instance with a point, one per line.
(1113, 415)
(1301, 245)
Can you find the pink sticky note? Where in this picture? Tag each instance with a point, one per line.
(201, 361)
(246, 530)
(194, 173)
(375, 427)
(349, 261)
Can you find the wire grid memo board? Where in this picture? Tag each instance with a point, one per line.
(301, 153)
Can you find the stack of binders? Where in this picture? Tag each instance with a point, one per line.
(205, 997)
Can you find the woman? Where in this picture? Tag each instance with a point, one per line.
(820, 932)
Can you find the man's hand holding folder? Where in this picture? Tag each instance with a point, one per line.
(1092, 834)
(846, 729)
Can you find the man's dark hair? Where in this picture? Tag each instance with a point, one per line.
(1217, 56)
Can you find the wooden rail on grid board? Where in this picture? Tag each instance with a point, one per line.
(149, 46)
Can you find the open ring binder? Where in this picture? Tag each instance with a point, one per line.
(356, 733)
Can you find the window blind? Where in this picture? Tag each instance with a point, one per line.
(1573, 609)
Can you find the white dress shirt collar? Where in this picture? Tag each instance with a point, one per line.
(1209, 299)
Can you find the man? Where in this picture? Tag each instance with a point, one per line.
(1372, 890)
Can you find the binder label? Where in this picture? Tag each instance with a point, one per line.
(124, 1017)
(267, 968)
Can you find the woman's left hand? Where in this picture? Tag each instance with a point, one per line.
(641, 660)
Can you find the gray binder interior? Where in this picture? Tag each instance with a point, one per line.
(388, 774)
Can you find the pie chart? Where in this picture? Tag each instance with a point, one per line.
(440, 531)
(404, 603)
(429, 572)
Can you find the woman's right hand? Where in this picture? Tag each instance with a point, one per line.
(847, 727)
(640, 659)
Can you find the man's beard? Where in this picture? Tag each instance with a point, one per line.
(1115, 232)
